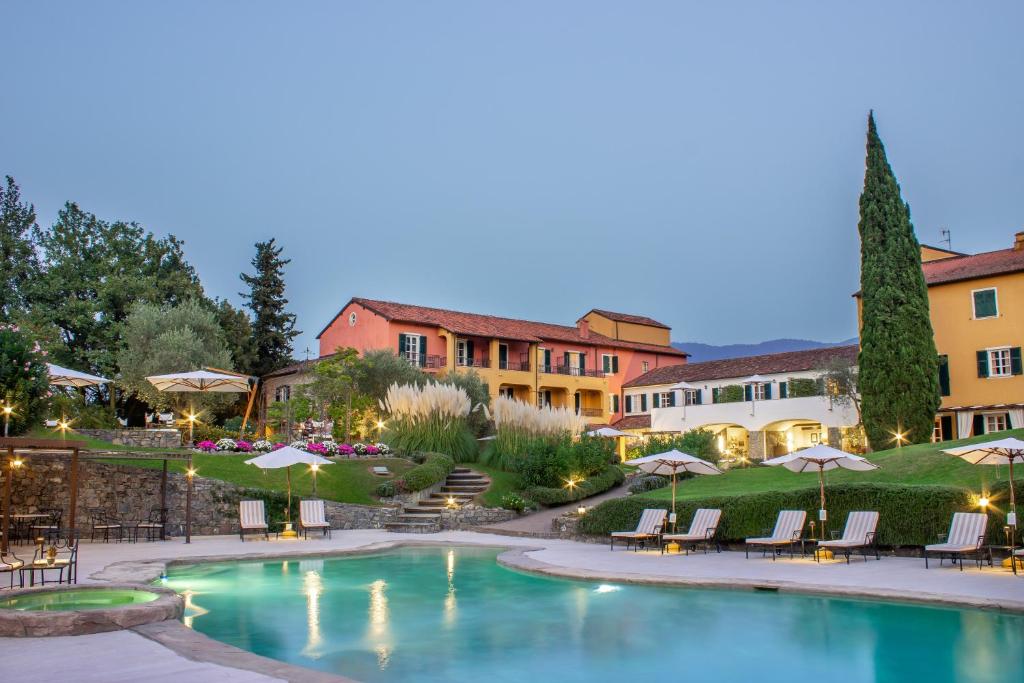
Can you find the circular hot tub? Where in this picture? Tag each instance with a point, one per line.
(66, 610)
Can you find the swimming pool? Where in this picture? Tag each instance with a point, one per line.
(77, 599)
(436, 614)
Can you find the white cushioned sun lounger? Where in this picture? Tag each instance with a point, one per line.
(966, 537)
(648, 527)
(702, 530)
(789, 527)
(252, 517)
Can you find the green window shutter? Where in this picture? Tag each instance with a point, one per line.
(583, 363)
(565, 359)
(1015, 361)
(698, 398)
(714, 394)
(469, 353)
(748, 393)
(944, 375)
(979, 425)
(767, 390)
(671, 399)
(547, 358)
(615, 403)
(985, 303)
(643, 403)
(982, 363)
(615, 363)
(629, 403)
(401, 345)
(606, 364)
(656, 398)
(423, 351)
(783, 390)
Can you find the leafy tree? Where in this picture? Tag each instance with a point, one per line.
(23, 380)
(273, 328)
(898, 361)
(163, 339)
(94, 273)
(840, 380)
(479, 396)
(237, 329)
(378, 370)
(335, 389)
(19, 265)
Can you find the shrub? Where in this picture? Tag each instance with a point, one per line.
(732, 393)
(226, 444)
(698, 442)
(604, 480)
(522, 427)
(513, 501)
(207, 432)
(552, 462)
(274, 502)
(802, 386)
(908, 515)
(387, 489)
(435, 468)
(648, 483)
(207, 446)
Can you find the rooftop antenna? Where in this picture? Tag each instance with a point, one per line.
(946, 238)
(307, 354)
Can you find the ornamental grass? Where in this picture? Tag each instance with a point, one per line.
(431, 418)
(521, 428)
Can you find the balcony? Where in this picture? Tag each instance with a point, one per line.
(427, 361)
(519, 366)
(591, 412)
(475, 362)
(569, 370)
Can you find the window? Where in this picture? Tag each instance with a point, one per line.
(464, 353)
(609, 363)
(413, 347)
(283, 393)
(664, 399)
(645, 366)
(999, 363)
(758, 391)
(995, 422)
(985, 304)
(690, 397)
(613, 403)
(543, 399)
(352, 319)
(507, 392)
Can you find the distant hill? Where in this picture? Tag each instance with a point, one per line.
(702, 352)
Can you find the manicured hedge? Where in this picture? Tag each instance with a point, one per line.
(598, 483)
(909, 515)
(435, 468)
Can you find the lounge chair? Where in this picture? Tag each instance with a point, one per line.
(313, 516)
(789, 528)
(381, 470)
(252, 517)
(858, 533)
(702, 531)
(1016, 557)
(966, 537)
(647, 528)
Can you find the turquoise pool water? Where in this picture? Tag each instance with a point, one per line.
(77, 599)
(453, 614)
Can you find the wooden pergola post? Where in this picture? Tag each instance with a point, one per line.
(8, 475)
(188, 502)
(163, 502)
(74, 491)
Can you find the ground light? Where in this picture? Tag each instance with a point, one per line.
(314, 468)
(8, 410)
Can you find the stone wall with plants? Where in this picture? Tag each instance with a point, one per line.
(136, 438)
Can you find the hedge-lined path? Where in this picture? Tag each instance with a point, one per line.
(539, 523)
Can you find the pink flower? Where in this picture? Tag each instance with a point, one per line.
(372, 450)
(278, 446)
(207, 446)
(243, 446)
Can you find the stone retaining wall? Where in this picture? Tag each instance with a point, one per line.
(137, 438)
(472, 516)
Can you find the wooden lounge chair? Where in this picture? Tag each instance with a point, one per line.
(252, 517)
(859, 532)
(313, 516)
(789, 528)
(702, 531)
(647, 528)
(966, 537)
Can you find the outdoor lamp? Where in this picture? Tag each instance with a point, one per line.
(450, 502)
(581, 510)
(190, 472)
(8, 410)
(983, 501)
(17, 462)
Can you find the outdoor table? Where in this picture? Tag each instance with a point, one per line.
(42, 566)
(22, 522)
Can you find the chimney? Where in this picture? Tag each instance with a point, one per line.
(584, 327)
(1018, 241)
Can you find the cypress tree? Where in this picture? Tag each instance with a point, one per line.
(899, 381)
(273, 328)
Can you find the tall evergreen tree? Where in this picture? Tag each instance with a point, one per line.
(238, 335)
(898, 362)
(273, 328)
(19, 265)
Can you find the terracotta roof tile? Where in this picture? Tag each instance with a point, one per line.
(476, 324)
(633, 422)
(768, 364)
(969, 267)
(629, 318)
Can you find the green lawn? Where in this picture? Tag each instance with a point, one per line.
(502, 483)
(347, 481)
(923, 464)
(94, 444)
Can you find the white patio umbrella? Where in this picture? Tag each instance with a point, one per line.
(201, 380)
(998, 452)
(63, 377)
(286, 457)
(610, 433)
(821, 458)
(671, 463)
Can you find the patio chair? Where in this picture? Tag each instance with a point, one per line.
(11, 563)
(48, 527)
(313, 516)
(1017, 556)
(102, 524)
(647, 528)
(155, 525)
(789, 530)
(859, 532)
(252, 517)
(966, 537)
(702, 531)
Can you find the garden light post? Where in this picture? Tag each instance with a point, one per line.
(314, 468)
(190, 474)
(8, 410)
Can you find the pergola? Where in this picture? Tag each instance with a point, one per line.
(73, 449)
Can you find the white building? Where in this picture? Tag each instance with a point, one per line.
(759, 407)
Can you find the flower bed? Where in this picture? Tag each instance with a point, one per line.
(324, 449)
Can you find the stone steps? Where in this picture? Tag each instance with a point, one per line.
(424, 516)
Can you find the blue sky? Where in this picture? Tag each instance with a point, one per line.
(696, 162)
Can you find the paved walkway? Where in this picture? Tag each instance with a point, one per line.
(540, 522)
(128, 656)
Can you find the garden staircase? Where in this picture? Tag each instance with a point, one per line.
(424, 517)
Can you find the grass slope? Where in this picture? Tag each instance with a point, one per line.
(923, 464)
(502, 483)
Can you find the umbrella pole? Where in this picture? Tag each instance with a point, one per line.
(288, 510)
(673, 492)
(1013, 498)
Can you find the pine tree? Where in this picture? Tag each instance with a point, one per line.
(898, 362)
(272, 327)
(19, 265)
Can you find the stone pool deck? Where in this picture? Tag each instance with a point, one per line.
(175, 653)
